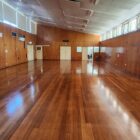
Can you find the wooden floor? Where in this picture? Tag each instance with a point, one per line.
(65, 100)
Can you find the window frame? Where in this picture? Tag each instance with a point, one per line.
(125, 25)
(131, 22)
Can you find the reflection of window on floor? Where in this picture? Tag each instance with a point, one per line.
(79, 49)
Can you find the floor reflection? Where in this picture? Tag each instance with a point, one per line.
(109, 100)
(65, 66)
(15, 104)
(87, 83)
(85, 67)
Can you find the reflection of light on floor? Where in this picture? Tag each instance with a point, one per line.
(125, 116)
(102, 71)
(95, 72)
(115, 104)
(129, 122)
(89, 68)
(41, 70)
(32, 78)
(98, 82)
(78, 71)
(32, 91)
(14, 104)
(65, 66)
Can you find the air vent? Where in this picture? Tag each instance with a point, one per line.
(75, 0)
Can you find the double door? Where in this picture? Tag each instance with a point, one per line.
(65, 53)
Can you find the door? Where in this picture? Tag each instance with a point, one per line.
(62, 53)
(39, 52)
(30, 52)
(84, 53)
(65, 53)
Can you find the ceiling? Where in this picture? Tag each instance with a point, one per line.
(88, 16)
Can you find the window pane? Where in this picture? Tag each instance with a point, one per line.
(119, 30)
(96, 49)
(79, 49)
(104, 37)
(28, 25)
(33, 28)
(139, 22)
(1, 12)
(111, 34)
(21, 21)
(9, 15)
(103, 49)
(133, 25)
(125, 28)
(114, 32)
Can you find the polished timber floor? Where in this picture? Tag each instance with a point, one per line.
(65, 100)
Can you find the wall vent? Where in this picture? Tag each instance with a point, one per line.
(75, 0)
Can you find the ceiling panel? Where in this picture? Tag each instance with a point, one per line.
(90, 16)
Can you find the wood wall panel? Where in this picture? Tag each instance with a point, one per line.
(75, 54)
(10, 45)
(56, 36)
(2, 49)
(13, 51)
(52, 52)
(124, 52)
(22, 50)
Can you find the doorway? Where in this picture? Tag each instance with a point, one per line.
(30, 52)
(90, 53)
(39, 52)
(65, 53)
(87, 53)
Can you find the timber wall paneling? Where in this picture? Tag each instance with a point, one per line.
(12, 50)
(124, 52)
(56, 36)
(22, 50)
(2, 49)
(10, 45)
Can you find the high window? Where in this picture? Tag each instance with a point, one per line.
(11, 16)
(133, 24)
